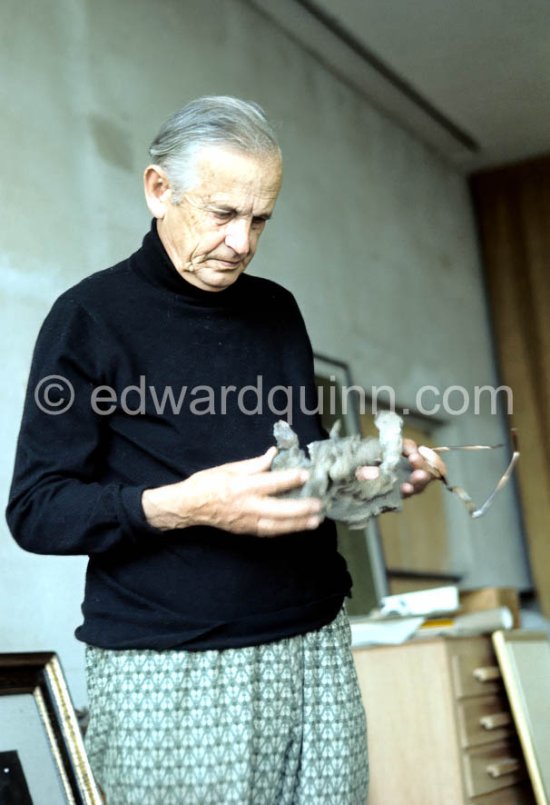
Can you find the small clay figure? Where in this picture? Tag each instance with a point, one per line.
(333, 462)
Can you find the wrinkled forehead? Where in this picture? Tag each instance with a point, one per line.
(223, 172)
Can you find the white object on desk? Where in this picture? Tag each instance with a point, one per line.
(383, 631)
(422, 602)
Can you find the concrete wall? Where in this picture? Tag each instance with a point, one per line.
(373, 233)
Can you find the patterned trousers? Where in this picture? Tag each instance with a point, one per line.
(277, 724)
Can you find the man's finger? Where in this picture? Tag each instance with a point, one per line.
(433, 463)
(417, 481)
(250, 466)
(274, 483)
(420, 478)
(408, 446)
(268, 527)
(367, 473)
(283, 509)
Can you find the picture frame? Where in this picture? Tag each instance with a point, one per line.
(331, 372)
(361, 548)
(524, 661)
(43, 756)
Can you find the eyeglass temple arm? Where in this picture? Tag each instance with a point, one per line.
(474, 511)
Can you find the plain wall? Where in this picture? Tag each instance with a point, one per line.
(373, 233)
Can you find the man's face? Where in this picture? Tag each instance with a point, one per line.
(211, 235)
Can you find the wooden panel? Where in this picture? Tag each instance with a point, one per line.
(513, 209)
(413, 748)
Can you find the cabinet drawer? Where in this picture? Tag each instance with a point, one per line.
(492, 767)
(474, 668)
(483, 720)
(516, 795)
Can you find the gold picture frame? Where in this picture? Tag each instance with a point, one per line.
(40, 739)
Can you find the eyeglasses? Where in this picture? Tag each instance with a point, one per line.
(473, 510)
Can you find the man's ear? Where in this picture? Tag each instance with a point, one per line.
(157, 189)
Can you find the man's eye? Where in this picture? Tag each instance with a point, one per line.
(223, 215)
(258, 222)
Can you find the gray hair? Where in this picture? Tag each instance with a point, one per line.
(217, 120)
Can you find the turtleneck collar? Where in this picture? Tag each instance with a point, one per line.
(153, 263)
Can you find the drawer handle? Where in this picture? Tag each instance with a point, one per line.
(487, 673)
(495, 721)
(501, 767)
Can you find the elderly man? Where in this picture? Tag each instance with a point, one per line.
(218, 653)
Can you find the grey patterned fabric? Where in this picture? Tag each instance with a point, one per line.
(278, 724)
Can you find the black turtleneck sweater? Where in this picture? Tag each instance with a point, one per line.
(79, 475)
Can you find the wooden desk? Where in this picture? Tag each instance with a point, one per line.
(440, 728)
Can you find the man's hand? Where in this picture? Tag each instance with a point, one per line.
(236, 497)
(426, 465)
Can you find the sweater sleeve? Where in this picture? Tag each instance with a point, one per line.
(58, 503)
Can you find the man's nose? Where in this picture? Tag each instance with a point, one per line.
(237, 235)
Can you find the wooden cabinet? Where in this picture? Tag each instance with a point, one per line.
(439, 725)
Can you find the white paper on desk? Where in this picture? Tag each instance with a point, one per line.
(422, 602)
(383, 631)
